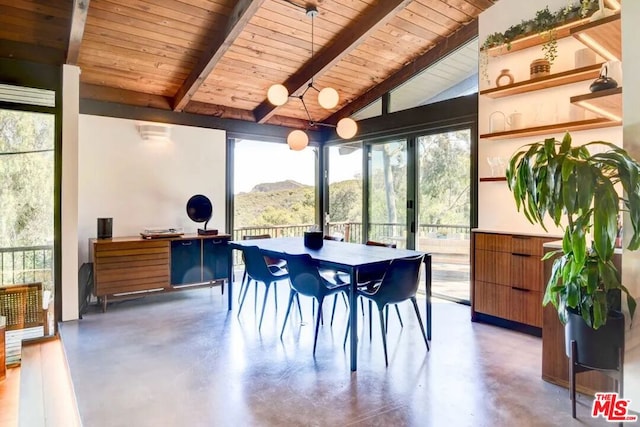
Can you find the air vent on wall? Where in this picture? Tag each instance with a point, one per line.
(154, 131)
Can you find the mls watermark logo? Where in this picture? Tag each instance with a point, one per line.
(612, 408)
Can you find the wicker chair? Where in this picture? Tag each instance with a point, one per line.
(22, 305)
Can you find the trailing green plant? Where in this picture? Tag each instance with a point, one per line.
(577, 191)
(544, 23)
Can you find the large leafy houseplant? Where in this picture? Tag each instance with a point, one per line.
(577, 191)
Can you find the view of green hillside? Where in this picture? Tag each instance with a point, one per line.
(443, 190)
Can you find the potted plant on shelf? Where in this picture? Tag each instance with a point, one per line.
(577, 191)
(544, 24)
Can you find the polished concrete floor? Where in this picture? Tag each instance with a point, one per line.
(182, 359)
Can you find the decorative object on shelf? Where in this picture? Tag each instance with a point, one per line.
(543, 24)
(200, 209)
(614, 70)
(328, 98)
(584, 57)
(603, 82)
(515, 120)
(576, 190)
(539, 68)
(602, 12)
(498, 165)
(497, 122)
(504, 74)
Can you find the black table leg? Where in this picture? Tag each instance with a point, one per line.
(427, 276)
(353, 319)
(230, 278)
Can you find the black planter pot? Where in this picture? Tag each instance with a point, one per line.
(597, 348)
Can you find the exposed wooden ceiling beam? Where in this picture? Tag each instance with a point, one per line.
(350, 38)
(78, 20)
(440, 50)
(123, 96)
(29, 52)
(239, 18)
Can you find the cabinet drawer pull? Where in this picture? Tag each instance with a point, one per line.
(186, 243)
(519, 254)
(516, 288)
(216, 242)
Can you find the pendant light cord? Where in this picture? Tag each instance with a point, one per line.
(313, 76)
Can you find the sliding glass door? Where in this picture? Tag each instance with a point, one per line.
(444, 208)
(387, 192)
(26, 226)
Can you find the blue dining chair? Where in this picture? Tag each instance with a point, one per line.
(400, 283)
(258, 271)
(306, 280)
(274, 265)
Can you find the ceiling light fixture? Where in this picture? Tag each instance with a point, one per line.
(328, 98)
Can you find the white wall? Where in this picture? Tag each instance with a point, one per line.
(631, 260)
(69, 226)
(143, 184)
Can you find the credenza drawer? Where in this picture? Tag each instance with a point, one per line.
(509, 302)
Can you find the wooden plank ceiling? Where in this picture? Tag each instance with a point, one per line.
(219, 57)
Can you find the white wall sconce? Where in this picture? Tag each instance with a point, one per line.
(157, 132)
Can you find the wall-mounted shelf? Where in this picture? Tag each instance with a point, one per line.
(607, 103)
(557, 79)
(494, 179)
(553, 128)
(602, 36)
(535, 39)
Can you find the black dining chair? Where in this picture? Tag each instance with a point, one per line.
(369, 277)
(335, 276)
(274, 264)
(400, 283)
(306, 280)
(258, 271)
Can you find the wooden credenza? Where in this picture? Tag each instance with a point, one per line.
(507, 277)
(127, 265)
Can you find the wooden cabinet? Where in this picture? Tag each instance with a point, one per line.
(215, 259)
(186, 261)
(126, 265)
(507, 277)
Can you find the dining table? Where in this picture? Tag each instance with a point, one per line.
(340, 256)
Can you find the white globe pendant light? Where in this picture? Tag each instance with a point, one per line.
(278, 95)
(328, 98)
(297, 140)
(347, 128)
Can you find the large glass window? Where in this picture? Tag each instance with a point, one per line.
(26, 225)
(274, 189)
(345, 192)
